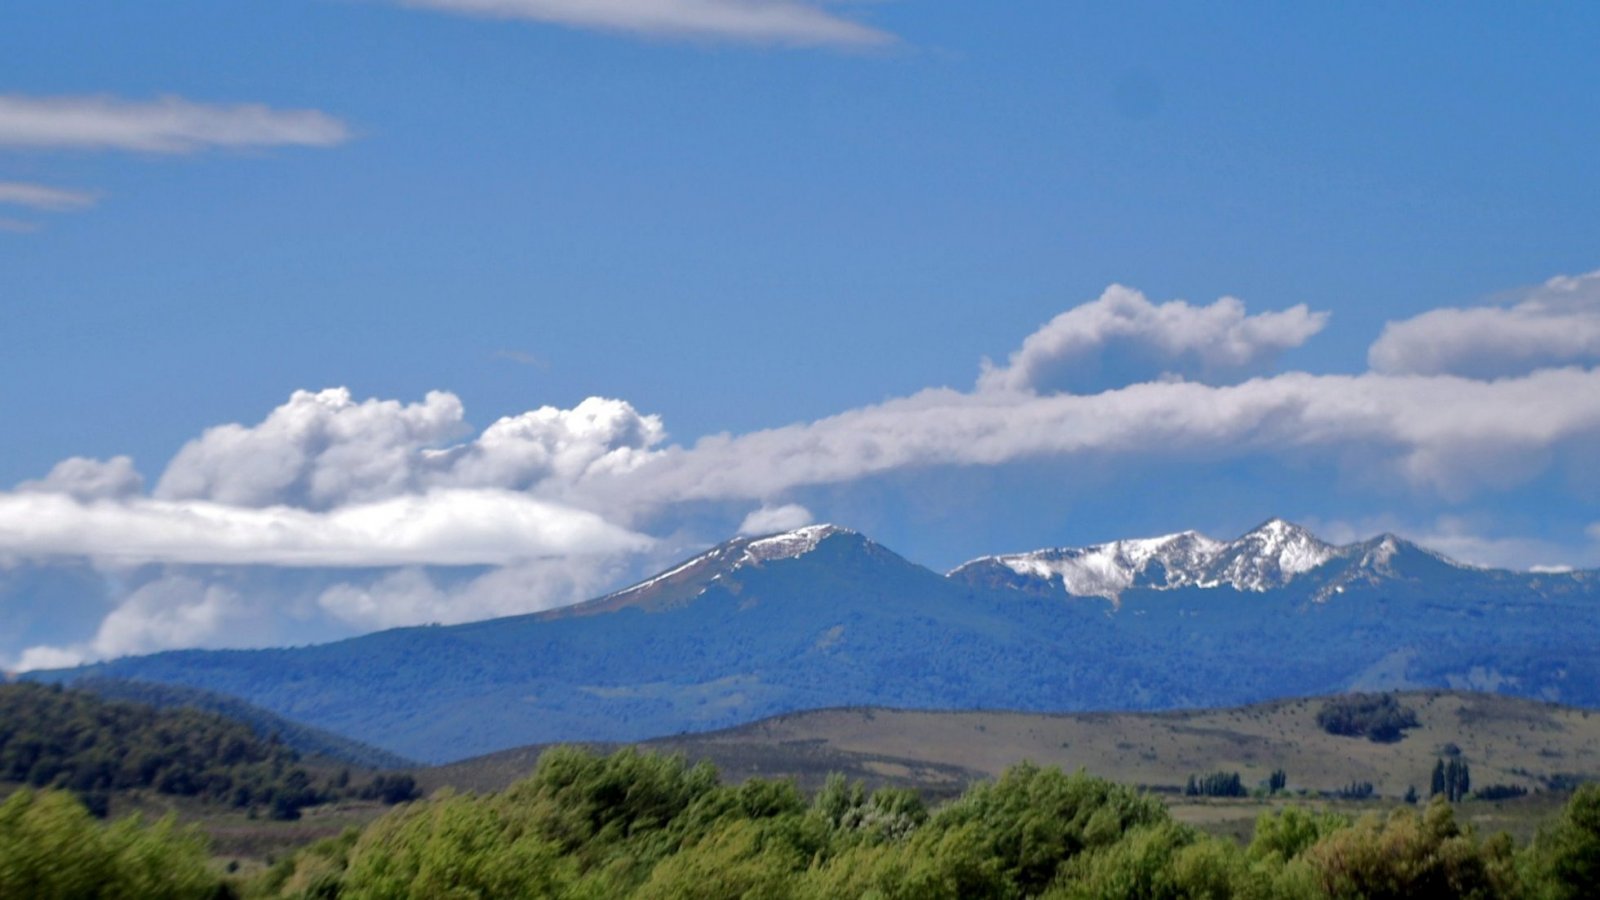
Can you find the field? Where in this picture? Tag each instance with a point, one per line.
(1505, 740)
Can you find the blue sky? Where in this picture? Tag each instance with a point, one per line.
(801, 225)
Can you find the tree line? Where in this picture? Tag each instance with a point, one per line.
(76, 741)
(644, 826)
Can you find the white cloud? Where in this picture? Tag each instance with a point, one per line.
(1469, 539)
(1557, 324)
(317, 450)
(773, 519)
(1453, 436)
(172, 611)
(440, 527)
(18, 226)
(756, 21)
(164, 125)
(598, 437)
(89, 479)
(554, 496)
(410, 596)
(46, 657)
(322, 449)
(1122, 337)
(39, 196)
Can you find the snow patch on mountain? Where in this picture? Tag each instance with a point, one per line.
(1105, 570)
(789, 544)
(1268, 557)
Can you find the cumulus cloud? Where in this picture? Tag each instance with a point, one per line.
(440, 527)
(164, 125)
(318, 449)
(596, 438)
(773, 519)
(1557, 324)
(1122, 337)
(322, 449)
(89, 479)
(43, 197)
(755, 21)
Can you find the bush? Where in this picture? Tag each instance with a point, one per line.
(50, 846)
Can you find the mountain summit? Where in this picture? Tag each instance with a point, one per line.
(823, 616)
(1270, 556)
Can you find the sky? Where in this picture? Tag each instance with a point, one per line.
(324, 316)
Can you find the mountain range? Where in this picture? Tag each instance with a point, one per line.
(824, 616)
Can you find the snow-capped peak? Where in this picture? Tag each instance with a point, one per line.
(1105, 570)
(1269, 556)
(790, 544)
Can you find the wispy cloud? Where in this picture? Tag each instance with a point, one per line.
(44, 197)
(18, 226)
(751, 21)
(164, 125)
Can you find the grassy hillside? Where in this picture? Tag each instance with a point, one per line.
(1506, 740)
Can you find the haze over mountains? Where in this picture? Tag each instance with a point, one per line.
(824, 616)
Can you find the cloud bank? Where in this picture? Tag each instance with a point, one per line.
(164, 125)
(752, 21)
(393, 509)
(441, 527)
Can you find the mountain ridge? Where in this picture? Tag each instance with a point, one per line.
(824, 616)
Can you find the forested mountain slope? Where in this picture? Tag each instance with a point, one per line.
(825, 617)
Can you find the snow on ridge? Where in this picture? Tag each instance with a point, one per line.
(657, 579)
(789, 544)
(1105, 570)
(1267, 557)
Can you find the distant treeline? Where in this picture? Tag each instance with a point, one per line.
(51, 737)
(303, 738)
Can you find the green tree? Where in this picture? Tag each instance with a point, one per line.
(50, 847)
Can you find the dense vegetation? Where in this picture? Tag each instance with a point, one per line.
(1377, 717)
(632, 825)
(642, 826)
(50, 737)
(303, 738)
(52, 849)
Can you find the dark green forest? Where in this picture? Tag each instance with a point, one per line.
(645, 826)
(78, 742)
(303, 738)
